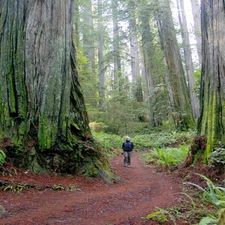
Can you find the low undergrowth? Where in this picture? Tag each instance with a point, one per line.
(168, 158)
(203, 200)
(202, 206)
(154, 140)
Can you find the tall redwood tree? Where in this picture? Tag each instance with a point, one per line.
(212, 94)
(43, 120)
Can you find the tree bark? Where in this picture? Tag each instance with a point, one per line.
(150, 64)
(101, 70)
(88, 34)
(212, 89)
(188, 58)
(116, 47)
(182, 111)
(134, 53)
(43, 120)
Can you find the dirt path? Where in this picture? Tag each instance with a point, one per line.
(94, 202)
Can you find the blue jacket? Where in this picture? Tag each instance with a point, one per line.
(128, 146)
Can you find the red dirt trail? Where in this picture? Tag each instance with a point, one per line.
(94, 202)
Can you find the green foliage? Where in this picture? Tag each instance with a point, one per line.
(89, 169)
(17, 188)
(197, 75)
(192, 201)
(191, 213)
(208, 221)
(2, 157)
(157, 216)
(161, 216)
(162, 139)
(109, 141)
(157, 140)
(212, 194)
(166, 157)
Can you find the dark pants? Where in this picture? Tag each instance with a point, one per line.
(127, 157)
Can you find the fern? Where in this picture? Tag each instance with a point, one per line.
(208, 221)
(212, 194)
(166, 157)
(192, 201)
(157, 216)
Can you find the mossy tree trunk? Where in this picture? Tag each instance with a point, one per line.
(212, 90)
(43, 120)
(180, 99)
(189, 66)
(150, 64)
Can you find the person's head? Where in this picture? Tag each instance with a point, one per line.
(127, 138)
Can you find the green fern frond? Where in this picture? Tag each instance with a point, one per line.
(192, 201)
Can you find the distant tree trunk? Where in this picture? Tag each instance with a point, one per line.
(212, 91)
(76, 24)
(116, 47)
(197, 27)
(149, 61)
(134, 53)
(88, 34)
(101, 69)
(188, 58)
(43, 120)
(182, 111)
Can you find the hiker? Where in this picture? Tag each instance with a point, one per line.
(127, 151)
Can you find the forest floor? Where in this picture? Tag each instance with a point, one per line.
(74, 200)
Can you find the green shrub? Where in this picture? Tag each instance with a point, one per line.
(144, 141)
(109, 141)
(162, 139)
(166, 157)
(212, 194)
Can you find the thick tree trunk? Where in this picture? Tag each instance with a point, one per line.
(149, 62)
(182, 111)
(212, 91)
(134, 53)
(188, 58)
(43, 119)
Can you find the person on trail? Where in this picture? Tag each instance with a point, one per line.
(127, 151)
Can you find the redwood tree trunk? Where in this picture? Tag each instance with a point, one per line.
(212, 90)
(182, 111)
(150, 63)
(88, 33)
(43, 119)
(116, 47)
(101, 69)
(134, 52)
(188, 58)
